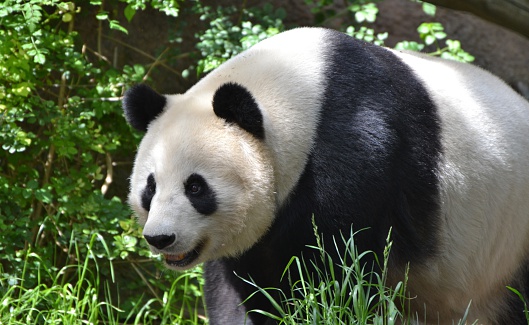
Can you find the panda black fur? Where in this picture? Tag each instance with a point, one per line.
(314, 123)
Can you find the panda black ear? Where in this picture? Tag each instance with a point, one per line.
(235, 104)
(142, 105)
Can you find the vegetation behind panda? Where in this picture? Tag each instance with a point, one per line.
(312, 122)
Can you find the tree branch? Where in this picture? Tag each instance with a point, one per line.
(511, 14)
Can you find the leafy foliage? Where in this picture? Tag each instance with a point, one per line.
(432, 33)
(61, 126)
(60, 121)
(224, 38)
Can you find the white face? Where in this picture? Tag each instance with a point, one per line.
(207, 183)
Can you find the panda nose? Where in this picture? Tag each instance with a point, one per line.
(160, 241)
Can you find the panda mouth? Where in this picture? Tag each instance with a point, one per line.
(184, 259)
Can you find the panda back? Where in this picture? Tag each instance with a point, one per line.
(483, 172)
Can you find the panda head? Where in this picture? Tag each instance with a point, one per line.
(202, 183)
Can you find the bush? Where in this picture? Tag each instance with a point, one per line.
(62, 127)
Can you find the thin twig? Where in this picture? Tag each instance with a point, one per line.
(145, 280)
(155, 63)
(147, 55)
(98, 54)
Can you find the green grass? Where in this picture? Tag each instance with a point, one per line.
(76, 294)
(346, 293)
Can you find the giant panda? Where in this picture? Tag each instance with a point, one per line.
(312, 124)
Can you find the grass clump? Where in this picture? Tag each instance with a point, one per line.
(53, 299)
(78, 294)
(346, 292)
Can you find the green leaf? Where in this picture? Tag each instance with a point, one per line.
(453, 45)
(139, 69)
(382, 36)
(437, 27)
(429, 39)
(466, 57)
(125, 225)
(66, 6)
(360, 16)
(429, 8)
(449, 56)
(440, 35)
(43, 195)
(32, 184)
(410, 46)
(39, 58)
(22, 89)
(424, 28)
(114, 24)
(26, 194)
(129, 12)
(103, 15)
(67, 17)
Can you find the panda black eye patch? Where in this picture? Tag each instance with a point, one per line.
(201, 196)
(148, 192)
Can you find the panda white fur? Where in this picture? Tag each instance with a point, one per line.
(313, 122)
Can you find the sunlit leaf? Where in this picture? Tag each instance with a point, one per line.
(429, 8)
(114, 24)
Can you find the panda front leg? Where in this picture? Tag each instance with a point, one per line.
(223, 296)
(225, 292)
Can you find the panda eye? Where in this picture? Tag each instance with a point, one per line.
(195, 185)
(195, 189)
(200, 194)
